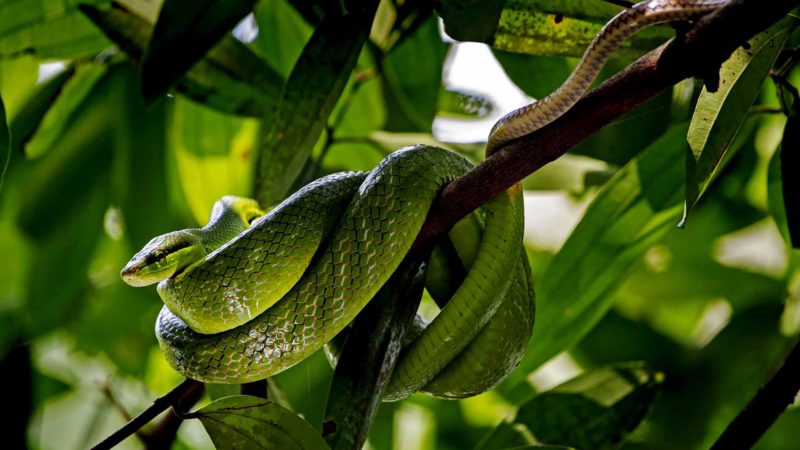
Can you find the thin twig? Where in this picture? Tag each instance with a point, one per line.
(159, 405)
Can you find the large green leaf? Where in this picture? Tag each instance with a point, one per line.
(50, 29)
(282, 34)
(470, 20)
(244, 422)
(66, 195)
(633, 210)
(33, 110)
(213, 155)
(718, 116)
(311, 92)
(536, 75)
(60, 112)
(412, 89)
(230, 78)
(595, 410)
(184, 32)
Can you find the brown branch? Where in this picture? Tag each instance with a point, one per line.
(172, 398)
(698, 52)
(765, 408)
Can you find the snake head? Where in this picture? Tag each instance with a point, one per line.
(163, 257)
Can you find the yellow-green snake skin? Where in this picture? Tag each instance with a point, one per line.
(252, 294)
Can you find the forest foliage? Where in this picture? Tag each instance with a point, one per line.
(123, 120)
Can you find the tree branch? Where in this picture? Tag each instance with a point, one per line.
(698, 52)
(172, 398)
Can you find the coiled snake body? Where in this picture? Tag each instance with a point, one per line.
(250, 294)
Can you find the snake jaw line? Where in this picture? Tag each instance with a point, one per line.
(163, 257)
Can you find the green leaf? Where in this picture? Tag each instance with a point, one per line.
(184, 32)
(30, 115)
(230, 78)
(596, 410)
(49, 29)
(718, 116)
(784, 182)
(61, 110)
(311, 92)
(368, 356)
(213, 153)
(632, 211)
(17, 82)
(542, 27)
(75, 172)
(470, 20)
(461, 104)
(5, 144)
(282, 34)
(411, 89)
(718, 380)
(242, 422)
(536, 75)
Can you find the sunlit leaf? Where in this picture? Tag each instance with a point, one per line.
(719, 115)
(244, 422)
(596, 410)
(542, 27)
(30, 115)
(60, 113)
(17, 82)
(634, 210)
(49, 29)
(282, 34)
(231, 78)
(311, 92)
(184, 32)
(213, 153)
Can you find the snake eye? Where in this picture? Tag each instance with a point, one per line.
(157, 256)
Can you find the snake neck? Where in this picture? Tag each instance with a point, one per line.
(534, 116)
(230, 216)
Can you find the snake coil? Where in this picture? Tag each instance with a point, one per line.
(251, 294)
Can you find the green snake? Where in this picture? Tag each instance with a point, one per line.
(251, 294)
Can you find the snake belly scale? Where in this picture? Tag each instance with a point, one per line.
(250, 295)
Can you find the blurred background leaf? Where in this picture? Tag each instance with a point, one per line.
(595, 410)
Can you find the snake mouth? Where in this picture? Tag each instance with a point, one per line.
(136, 275)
